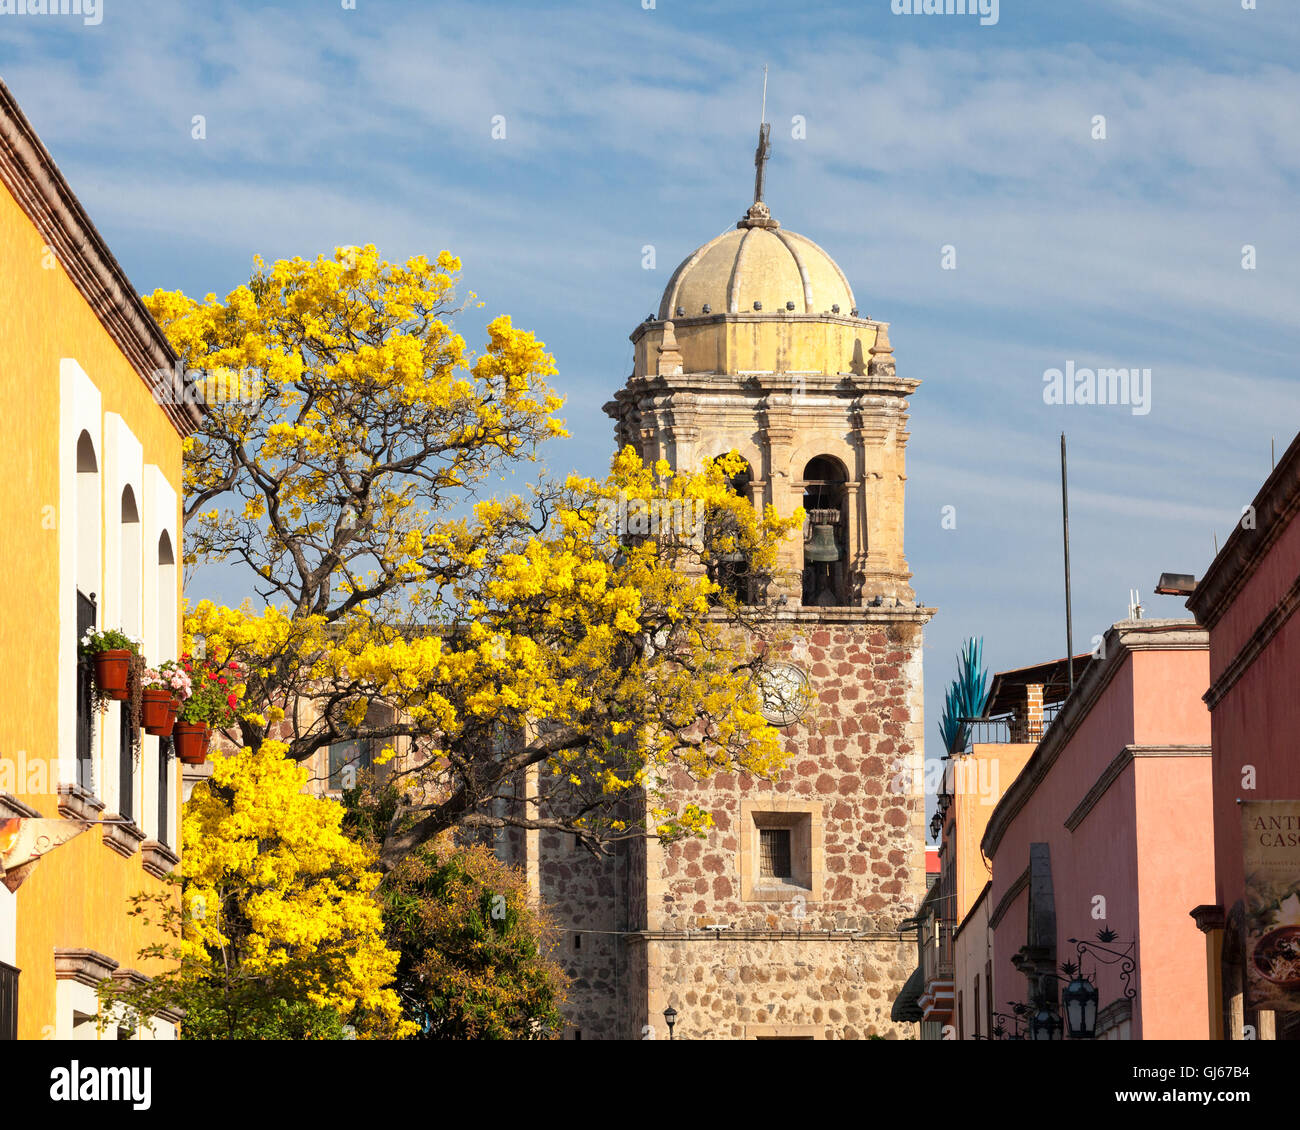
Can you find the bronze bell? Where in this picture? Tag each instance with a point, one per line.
(822, 549)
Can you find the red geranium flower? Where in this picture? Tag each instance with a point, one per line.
(232, 699)
(222, 680)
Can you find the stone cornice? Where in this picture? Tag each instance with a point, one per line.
(30, 174)
(1118, 764)
(131, 978)
(134, 979)
(157, 858)
(780, 317)
(123, 836)
(1276, 506)
(77, 803)
(704, 934)
(11, 807)
(1120, 641)
(853, 614)
(86, 967)
(1208, 917)
(764, 381)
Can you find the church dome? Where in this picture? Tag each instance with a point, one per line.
(757, 262)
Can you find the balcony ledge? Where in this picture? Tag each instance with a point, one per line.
(158, 859)
(123, 838)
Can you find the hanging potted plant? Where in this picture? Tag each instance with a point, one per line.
(164, 691)
(211, 703)
(112, 653)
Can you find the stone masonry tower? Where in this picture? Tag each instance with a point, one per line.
(783, 922)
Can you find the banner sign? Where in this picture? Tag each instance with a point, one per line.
(1271, 843)
(23, 842)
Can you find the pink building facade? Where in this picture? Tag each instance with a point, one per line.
(1107, 827)
(1246, 601)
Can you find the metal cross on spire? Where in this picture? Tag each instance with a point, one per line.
(764, 146)
(759, 215)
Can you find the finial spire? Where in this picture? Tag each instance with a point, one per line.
(759, 215)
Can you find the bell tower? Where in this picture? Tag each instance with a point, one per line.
(783, 921)
(759, 345)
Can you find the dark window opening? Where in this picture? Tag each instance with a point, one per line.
(774, 853)
(164, 753)
(8, 1002)
(126, 764)
(730, 568)
(825, 544)
(346, 760)
(85, 695)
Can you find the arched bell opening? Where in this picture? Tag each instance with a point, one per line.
(730, 568)
(825, 575)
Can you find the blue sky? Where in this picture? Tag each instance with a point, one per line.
(627, 126)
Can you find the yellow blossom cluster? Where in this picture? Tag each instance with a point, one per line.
(274, 887)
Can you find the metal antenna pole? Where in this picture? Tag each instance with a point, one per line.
(1065, 525)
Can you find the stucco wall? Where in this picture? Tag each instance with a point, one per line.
(77, 896)
(1140, 857)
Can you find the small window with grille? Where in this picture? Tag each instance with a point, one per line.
(774, 853)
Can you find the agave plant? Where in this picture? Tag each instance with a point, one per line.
(966, 696)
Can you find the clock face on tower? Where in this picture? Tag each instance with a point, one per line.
(786, 694)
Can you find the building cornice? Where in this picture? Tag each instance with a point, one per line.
(705, 934)
(1259, 639)
(777, 317)
(34, 180)
(124, 836)
(1119, 763)
(1275, 507)
(11, 807)
(1014, 891)
(158, 859)
(85, 966)
(1120, 641)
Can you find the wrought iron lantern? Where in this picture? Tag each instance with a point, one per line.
(1046, 1024)
(670, 1018)
(1079, 1001)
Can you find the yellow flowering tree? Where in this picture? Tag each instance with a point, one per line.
(598, 630)
(280, 935)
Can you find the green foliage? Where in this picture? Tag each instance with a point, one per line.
(475, 958)
(110, 639)
(218, 1002)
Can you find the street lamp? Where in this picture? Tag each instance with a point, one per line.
(670, 1018)
(1079, 999)
(1046, 1024)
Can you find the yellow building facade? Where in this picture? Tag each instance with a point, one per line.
(92, 454)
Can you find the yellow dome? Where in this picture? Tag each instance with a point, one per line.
(757, 264)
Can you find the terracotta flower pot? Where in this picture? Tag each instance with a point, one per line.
(173, 712)
(111, 669)
(191, 740)
(155, 711)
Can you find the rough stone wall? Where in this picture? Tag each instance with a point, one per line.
(586, 896)
(857, 765)
(823, 963)
(783, 987)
